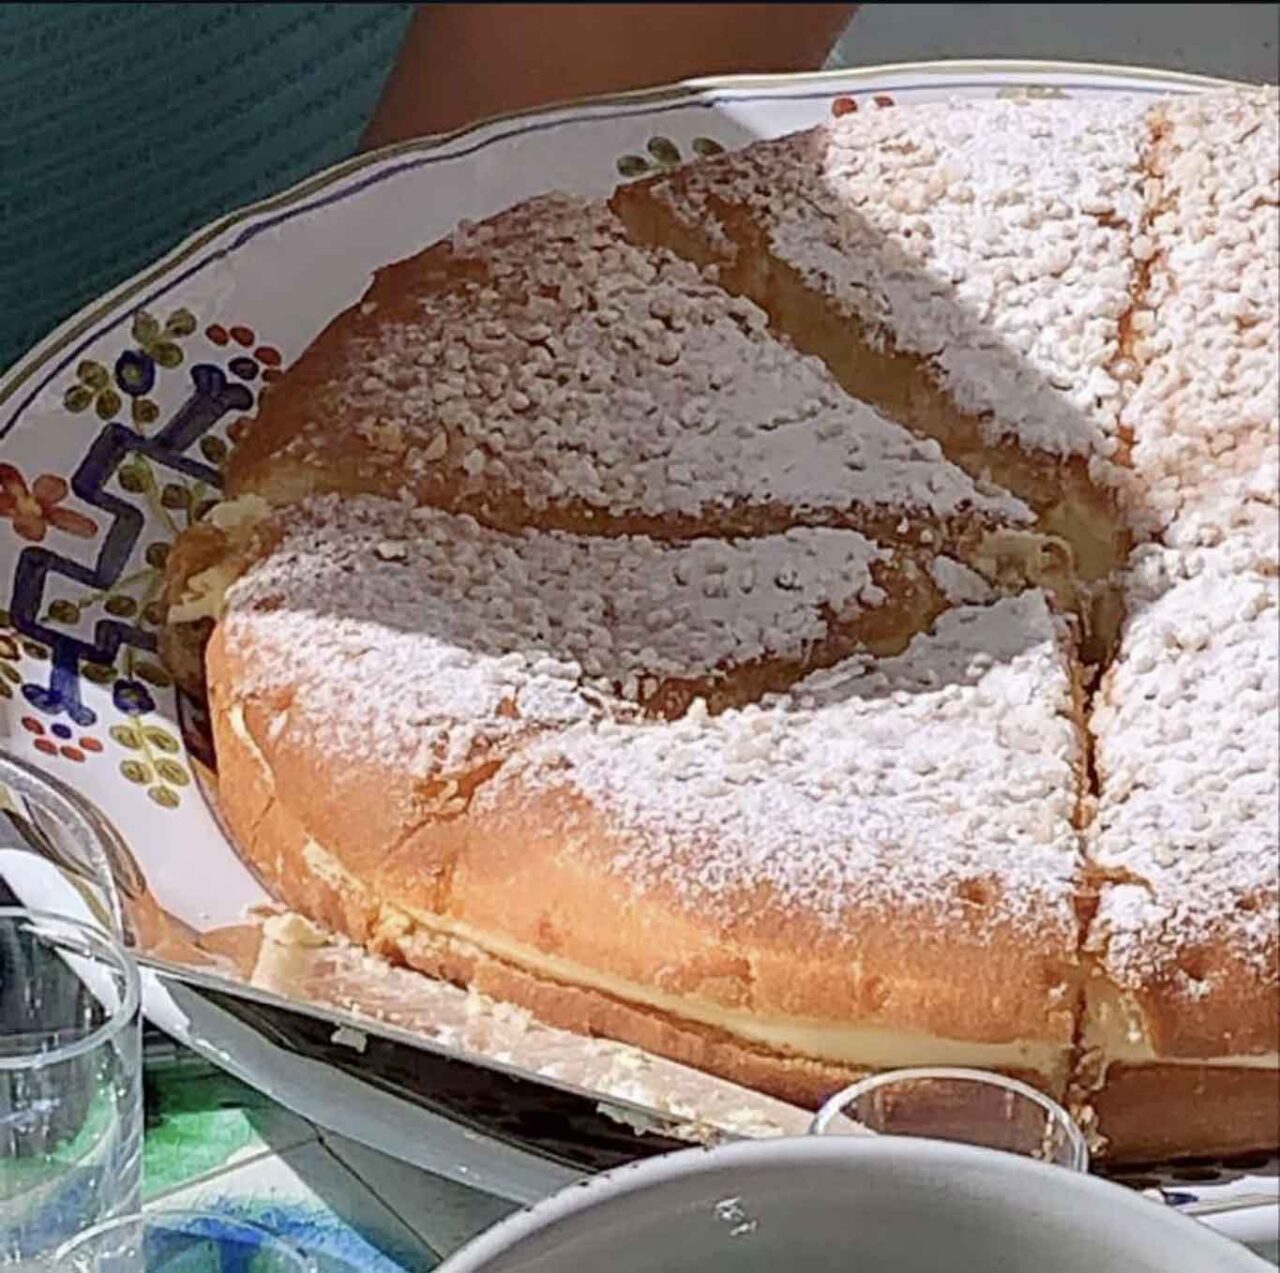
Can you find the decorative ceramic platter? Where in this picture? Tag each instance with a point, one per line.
(114, 430)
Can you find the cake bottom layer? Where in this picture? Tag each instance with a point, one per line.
(1155, 1112)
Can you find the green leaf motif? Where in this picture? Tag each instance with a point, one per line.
(175, 496)
(78, 398)
(160, 739)
(145, 411)
(64, 612)
(182, 322)
(213, 449)
(98, 673)
(93, 374)
(706, 147)
(121, 606)
(10, 673)
(632, 166)
(133, 477)
(664, 150)
(136, 771)
(165, 797)
(172, 772)
(167, 354)
(127, 736)
(157, 554)
(107, 404)
(145, 328)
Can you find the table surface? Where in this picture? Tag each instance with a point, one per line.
(212, 1143)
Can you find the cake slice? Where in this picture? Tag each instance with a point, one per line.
(667, 792)
(1183, 1008)
(1204, 414)
(876, 869)
(374, 665)
(967, 267)
(539, 370)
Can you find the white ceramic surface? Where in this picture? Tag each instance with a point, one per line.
(870, 1206)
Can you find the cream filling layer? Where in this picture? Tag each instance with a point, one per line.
(873, 1047)
(1022, 556)
(864, 1046)
(1116, 1029)
(205, 593)
(869, 1046)
(236, 722)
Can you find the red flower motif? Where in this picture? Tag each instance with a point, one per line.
(47, 746)
(843, 106)
(32, 511)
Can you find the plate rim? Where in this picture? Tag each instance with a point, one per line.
(37, 356)
(487, 131)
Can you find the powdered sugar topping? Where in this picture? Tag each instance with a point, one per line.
(888, 783)
(993, 238)
(1204, 413)
(396, 630)
(549, 357)
(1188, 750)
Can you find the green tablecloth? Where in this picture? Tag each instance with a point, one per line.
(213, 1143)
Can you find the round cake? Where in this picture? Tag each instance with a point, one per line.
(813, 612)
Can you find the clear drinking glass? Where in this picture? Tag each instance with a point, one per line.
(70, 1083)
(946, 1103)
(179, 1242)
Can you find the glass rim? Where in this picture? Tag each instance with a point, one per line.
(1074, 1139)
(102, 945)
(76, 816)
(272, 1243)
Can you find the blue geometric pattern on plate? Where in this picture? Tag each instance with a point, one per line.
(212, 398)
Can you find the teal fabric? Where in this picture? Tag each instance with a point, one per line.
(123, 127)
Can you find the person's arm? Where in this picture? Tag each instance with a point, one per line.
(462, 62)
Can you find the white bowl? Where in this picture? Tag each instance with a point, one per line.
(815, 1205)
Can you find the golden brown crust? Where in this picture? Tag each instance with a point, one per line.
(802, 1080)
(535, 870)
(519, 875)
(182, 645)
(1149, 1112)
(1240, 1018)
(536, 866)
